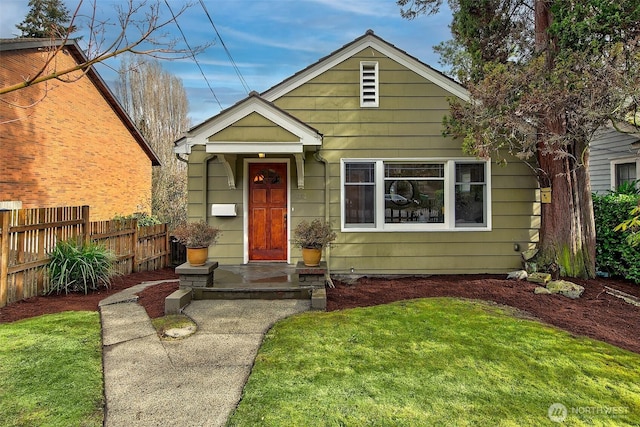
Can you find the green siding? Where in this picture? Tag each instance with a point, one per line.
(407, 124)
(254, 127)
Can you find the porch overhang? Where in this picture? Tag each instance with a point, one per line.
(301, 135)
(239, 129)
(238, 147)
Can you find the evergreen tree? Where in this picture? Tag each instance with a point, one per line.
(46, 19)
(544, 76)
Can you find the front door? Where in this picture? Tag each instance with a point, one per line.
(267, 212)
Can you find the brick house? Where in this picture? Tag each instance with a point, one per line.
(67, 141)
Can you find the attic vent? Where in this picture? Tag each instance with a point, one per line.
(368, 84)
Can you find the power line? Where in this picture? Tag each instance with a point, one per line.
(193, 54)
(233, 63)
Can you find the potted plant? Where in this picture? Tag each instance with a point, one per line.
(196, 237)
(312, 237)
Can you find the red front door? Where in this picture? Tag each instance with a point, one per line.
(267, 211)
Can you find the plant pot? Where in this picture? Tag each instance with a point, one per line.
(311, 256)
(197, 256)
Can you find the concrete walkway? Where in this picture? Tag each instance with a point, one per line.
(196, 381)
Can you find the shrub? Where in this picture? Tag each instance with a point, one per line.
(196, 234)
(614, 253)
(629, 187)
(315, 234)
(77, 267)
(144, 219)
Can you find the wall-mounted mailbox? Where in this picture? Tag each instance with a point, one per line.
(545, 195)
(223, 209)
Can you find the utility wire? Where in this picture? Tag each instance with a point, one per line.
(233, 63)
(193, 54)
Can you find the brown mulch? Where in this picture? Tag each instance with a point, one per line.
(39, 305)
(596, 314)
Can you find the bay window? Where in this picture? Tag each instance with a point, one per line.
(416, 195)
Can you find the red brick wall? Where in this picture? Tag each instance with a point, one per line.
(62, 144)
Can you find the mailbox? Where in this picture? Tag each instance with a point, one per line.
(223, 209)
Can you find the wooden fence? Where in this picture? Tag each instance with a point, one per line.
(27, 236)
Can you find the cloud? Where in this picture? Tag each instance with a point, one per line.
(363, 7)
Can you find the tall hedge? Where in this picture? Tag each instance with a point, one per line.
(614, 254)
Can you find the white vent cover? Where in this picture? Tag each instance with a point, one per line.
(368, 84)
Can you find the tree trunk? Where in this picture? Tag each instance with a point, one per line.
(567, 228)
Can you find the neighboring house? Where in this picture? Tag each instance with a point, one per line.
(356, 139)
(67, 141)
(614, 159)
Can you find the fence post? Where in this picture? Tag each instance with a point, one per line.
(4, 256)
(134, 237)
(167, 247)
(86, 226)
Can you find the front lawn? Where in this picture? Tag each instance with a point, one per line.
(438, 361)
(51, 371)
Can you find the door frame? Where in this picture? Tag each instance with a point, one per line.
(245, 204)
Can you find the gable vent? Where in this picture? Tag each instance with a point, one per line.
(368, 84)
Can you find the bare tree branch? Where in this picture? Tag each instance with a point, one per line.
(151, 38)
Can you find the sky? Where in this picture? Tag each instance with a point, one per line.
(268, 40)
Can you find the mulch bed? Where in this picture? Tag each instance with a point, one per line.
(39, 305)
(596, 314)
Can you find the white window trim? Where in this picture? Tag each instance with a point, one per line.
(612, 169)
(449, 202)
(364, 100)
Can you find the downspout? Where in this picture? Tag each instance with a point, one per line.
(327, 216)
(205, 189)
(204, 181)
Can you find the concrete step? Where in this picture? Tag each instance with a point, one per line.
(252, 282)
(219, 292)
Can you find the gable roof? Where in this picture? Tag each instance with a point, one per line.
(7, 45)
(254, 103)
(368, 40)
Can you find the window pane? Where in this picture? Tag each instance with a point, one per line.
(414, 201)
(470, 205)
(413, 170)
(625, 172)
(359, 172)
(359, 204)
(470, 195)
(472, 172)
(359, 190)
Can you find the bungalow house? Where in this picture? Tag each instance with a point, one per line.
(614, 159)
(67, 141)
(356, 139)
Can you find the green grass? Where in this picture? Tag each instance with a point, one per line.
(51, 371)
(434, 362)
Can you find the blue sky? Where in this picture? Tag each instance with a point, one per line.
(269, 40)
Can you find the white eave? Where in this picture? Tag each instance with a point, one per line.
(369, 40)
(200, 135)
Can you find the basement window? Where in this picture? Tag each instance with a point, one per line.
(368, 84)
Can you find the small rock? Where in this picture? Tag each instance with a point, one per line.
(180, 332)
(517, 275)
(566, 288)
(539, 290)
(539, 277)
